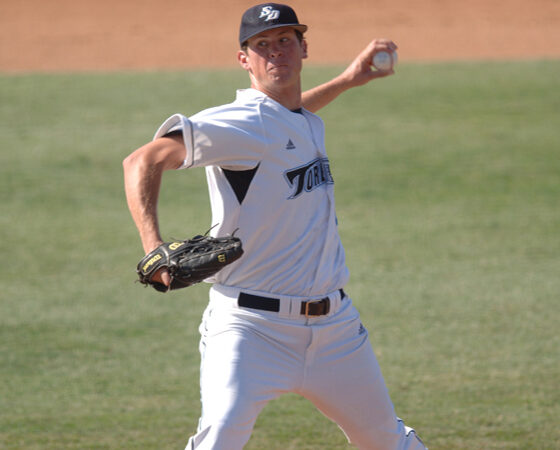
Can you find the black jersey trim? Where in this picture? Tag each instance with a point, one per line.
(174, 133)
(240, 180)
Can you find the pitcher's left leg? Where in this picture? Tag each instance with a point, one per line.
(345, 382)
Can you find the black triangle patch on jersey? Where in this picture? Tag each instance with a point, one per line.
(240, 181)
(290, 145)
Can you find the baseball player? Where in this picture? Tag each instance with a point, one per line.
(278, 319)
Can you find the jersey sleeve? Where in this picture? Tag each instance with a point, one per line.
(232, 138)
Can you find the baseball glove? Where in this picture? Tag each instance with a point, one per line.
(189, 261)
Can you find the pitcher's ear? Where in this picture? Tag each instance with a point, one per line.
(243, 59)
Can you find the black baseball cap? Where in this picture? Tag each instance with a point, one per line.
(265, 17)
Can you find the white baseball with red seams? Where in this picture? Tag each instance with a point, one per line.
(385, 60)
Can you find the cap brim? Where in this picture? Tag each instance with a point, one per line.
(298, 26)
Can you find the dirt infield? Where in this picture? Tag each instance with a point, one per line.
(78, 35)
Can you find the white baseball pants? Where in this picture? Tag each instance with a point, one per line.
(250, 357)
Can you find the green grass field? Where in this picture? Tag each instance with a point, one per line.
(448, 194)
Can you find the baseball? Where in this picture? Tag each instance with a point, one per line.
(385, 60)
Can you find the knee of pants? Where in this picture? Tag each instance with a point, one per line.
(236, 413)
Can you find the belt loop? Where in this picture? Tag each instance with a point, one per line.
(336, 301)
(285, 308)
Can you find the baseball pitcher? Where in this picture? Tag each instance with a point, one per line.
(279, 318)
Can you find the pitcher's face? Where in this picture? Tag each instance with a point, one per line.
(274, 58)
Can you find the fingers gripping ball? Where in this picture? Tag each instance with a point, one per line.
(190, 261)
(385, 60)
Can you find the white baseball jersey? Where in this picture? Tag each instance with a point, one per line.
(269, 179)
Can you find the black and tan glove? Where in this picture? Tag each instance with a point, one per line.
(190, 261)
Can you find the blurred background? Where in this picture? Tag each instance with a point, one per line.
(71, 35)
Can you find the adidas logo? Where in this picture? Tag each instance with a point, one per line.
(290, 145)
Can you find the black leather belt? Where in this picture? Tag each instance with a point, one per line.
(319, 307)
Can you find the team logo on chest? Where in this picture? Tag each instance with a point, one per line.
(309, 177)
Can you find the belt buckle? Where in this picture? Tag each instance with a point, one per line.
(311, 302)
